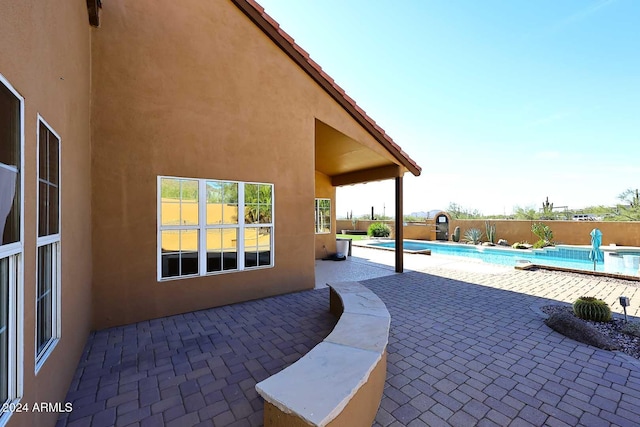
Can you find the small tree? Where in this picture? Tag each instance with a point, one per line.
(526, 213)
(456, 211)
(630, 211)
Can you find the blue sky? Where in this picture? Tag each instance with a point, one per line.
(502, 103)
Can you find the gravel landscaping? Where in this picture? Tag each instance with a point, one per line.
(614, 330)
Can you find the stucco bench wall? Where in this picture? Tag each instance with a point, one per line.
(341, 380)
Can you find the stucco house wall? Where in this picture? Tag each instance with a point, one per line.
(194, 89)
(45, 56)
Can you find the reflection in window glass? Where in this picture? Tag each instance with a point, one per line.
(189, 202)
(323, 216)
(48, 192)
(250, 247)
(44, 298)
(179, 252)
(188, 252)
(222, 252)
(179, 201)
(10, 165)
(258, 203)
(229, 243)
(222, 203)
(257, 246)
(264, 246)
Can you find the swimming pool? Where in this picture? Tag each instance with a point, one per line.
(571, 257)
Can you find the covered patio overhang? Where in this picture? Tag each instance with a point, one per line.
(346, 162)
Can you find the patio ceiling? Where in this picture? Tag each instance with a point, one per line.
(347, 161)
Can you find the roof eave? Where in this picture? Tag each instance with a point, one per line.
(270, 27)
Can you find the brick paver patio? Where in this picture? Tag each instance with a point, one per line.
(467, 347)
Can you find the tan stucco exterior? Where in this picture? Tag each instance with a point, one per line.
(195, 89)
(45, 56)
(183, 89)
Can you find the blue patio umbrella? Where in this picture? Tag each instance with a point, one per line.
(595, 254)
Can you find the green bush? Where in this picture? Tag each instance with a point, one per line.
(379, 229)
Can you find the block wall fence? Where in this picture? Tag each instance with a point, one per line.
(564, 232)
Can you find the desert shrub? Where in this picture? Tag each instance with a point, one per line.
(379, 229)
(632, 328)
(540, 244)
(544, 234)
(473, 235)
(591, 308)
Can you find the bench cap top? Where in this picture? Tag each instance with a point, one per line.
(317, 387)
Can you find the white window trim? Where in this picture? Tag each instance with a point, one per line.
(14, 252)
(54, 240)
(202, 227)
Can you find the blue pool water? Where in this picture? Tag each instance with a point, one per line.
(559, 256)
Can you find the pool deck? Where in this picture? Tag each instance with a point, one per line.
(467, 347)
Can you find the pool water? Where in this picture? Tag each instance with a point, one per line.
(558, 256)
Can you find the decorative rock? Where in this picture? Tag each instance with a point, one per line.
(570, 326)
(503, 242)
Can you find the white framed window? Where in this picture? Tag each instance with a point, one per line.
(208, 226)
(323, 216)
(11, 244)
(48, 243)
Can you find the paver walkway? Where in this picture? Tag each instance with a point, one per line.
(194, 369)
(464, 354)
(466, 348)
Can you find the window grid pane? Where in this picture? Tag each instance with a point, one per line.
(180, 207)
(189, 202)
(323, 216)
(42, 209)
(9, 128)
(44, 298)
(48, 192)
(10, 161)
(229, 249)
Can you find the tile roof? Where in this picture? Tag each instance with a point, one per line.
(271, 28)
